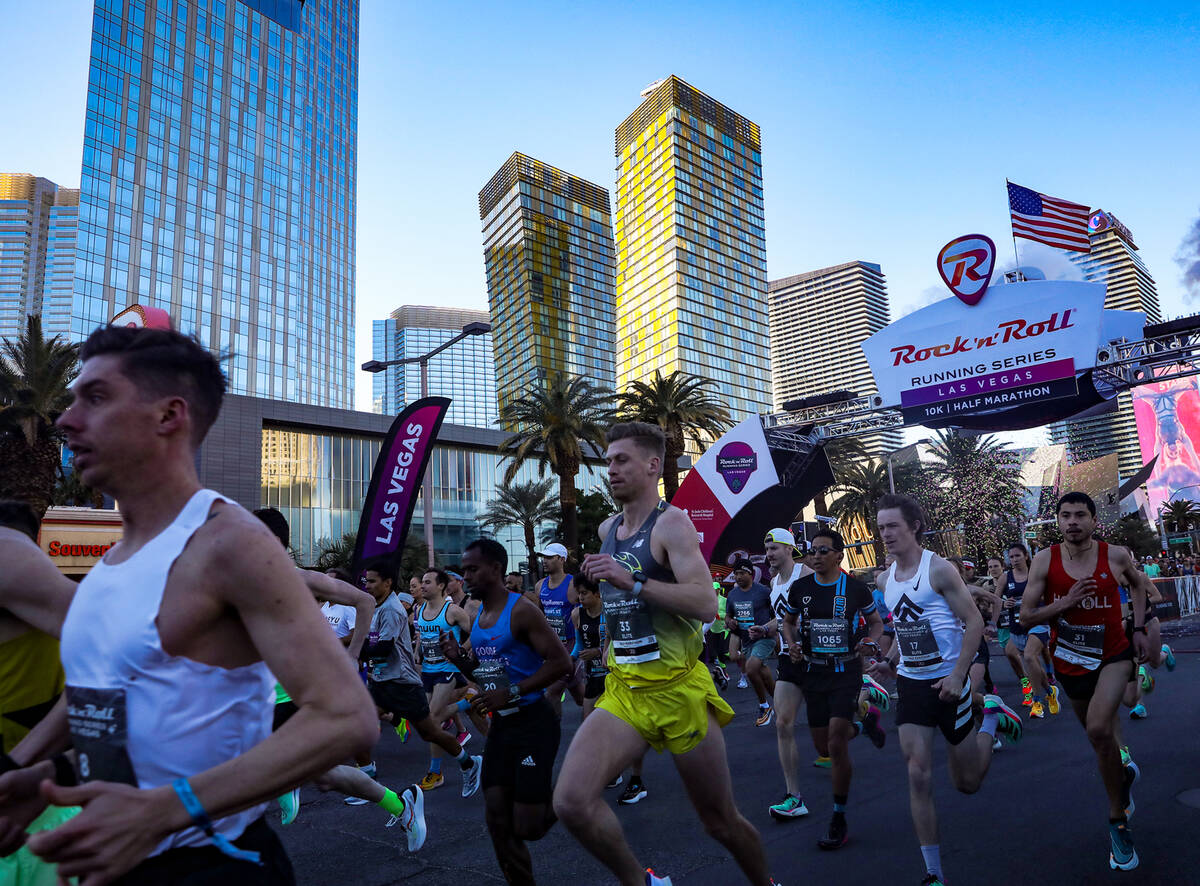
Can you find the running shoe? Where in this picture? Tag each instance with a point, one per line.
(653, 879)
(1147, 679)
(791, 807)
(1138, 712)
(743, 683)
(432, 780)
(823, 763)
(289, 806)
(876, 693)
(1010, 721)
(1122, 856)
(837, 835)
(463, 737)
(370, 769)
(720, 678)
(1026, 692)
(1125, 757)
(1052, 700)
(872, 729)
(471, 776)
(635, 792)
(1036, 711)
(402, 730)
(1168, 657)
(933, 880)
(412, 819)
(766, 716)
(997, 745)
(355, 801)
(1132, 774)
(615, 782)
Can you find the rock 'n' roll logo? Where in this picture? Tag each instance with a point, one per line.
(966, 264)
(735, 463)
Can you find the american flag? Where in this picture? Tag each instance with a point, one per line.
(1048, 220)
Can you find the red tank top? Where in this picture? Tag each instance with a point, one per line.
(1093, 630)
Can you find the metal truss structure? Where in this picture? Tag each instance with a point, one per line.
(1166, 354)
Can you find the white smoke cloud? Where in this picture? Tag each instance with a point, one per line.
(1188, 258)
(1050, 261)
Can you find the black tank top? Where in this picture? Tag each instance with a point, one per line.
(591, 636)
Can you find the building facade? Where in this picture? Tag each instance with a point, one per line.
(314, 464)
(465, 372)
(218, 182)
(818, 322)
(691, 250)
(548, 251)
(38, 225)
(1114, 261)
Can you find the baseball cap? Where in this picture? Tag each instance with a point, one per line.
(554, 550)
(780, 537)
(743, 565)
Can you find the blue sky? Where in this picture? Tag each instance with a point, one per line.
(887, 128)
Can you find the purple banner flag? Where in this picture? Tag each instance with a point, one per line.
(392, 495)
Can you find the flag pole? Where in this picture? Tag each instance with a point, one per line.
(1016, 255)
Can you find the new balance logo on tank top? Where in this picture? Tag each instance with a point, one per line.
(928, 633)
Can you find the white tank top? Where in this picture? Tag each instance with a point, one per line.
(779, 596)
(139, 715)
(928, 632)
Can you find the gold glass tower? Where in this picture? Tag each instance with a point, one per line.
(691, 248)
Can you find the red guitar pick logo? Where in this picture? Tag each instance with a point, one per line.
(966, 264)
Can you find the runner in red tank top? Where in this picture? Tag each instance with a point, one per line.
(1075, 588)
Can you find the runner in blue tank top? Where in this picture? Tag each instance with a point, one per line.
(513, 656)
(435, 615)
(559, 599)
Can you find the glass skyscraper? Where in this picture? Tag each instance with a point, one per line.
(218, 182)
(38, 224)
(465, 372)
(548, 251)
(691, 248)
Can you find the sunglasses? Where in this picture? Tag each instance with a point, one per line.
(822, 551)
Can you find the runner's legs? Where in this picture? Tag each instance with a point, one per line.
(916, 743)
(787, 705)
(1097, 715)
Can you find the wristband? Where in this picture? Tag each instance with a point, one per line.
(201, 820)
(8, 764)
(64, 772)
(463, 705)
(1141, 628)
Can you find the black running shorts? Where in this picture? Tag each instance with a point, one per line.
(205, 865)
(790, 671)
(594, 687)
(401, 700)
(830, 694)
(520, 751)
(283, 712)
(921, 705)
(1082, 688)
(433, 678)
(983, 655)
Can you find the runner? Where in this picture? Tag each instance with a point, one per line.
(1031, 641)
(559, 599)
(716, 641)
(780, 547)
(821, 627)
(515, 656)
(1079, 595)
(657, 592)
(930, 605)
(394, 682)
(750, 617)
(186, 661)
(591, 641)
(514, 582)
(437, 614)
(456, 593)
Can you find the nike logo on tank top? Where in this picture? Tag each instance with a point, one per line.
(928, 633)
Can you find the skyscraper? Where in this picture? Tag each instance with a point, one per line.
(218, 182)
(548, 250)
(691, 248)
(1114, 261)
(38, 222)
(818, 322)
(466, 372)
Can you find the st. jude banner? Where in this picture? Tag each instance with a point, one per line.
(392, 494)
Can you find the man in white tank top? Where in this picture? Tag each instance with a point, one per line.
(173, 638)
(930, 604)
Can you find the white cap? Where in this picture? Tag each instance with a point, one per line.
(554, 550)
(780, 537)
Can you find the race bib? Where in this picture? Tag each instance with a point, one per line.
(918, 646)
(829, 638)
(99, 732)
(595, 667)
(492, 674)
(431, 650)
(629, 626)
(743, 611)
(1080, 645)
(554, 615)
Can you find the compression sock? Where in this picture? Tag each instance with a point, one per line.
(933, 859)
(464, 760)
(839, 805)
(391, 802)
(991, 720)
(435, 765)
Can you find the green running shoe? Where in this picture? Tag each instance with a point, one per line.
(289, 806)
(823, 763)
(1125, 758)
(1168, 657)
(1147, 679)
(1010, 721)
(791, 807)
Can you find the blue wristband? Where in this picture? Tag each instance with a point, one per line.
(200, 818)
(464, 704)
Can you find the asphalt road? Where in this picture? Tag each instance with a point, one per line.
(1041, 816)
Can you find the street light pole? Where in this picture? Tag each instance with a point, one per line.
(475, 328)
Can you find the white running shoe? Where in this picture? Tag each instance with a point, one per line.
(412, 819)
(743, 683)
(471, 776)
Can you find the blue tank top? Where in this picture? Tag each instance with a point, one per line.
(558, 609)
(432, 660)
(503, 660)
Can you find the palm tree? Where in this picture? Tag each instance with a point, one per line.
(842, 452)
(1180, 516)
(553, 422)
(525, 505)
(861, 485)
(35, 374)
(685, 406)
(335, 553)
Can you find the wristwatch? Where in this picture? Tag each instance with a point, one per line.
(639, 581)
(1141, 628)
(514, 692)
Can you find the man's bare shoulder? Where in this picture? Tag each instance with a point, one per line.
(674, 520)
(606, 527)
(944, 575)
(237, 550)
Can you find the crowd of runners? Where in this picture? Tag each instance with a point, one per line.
(196, 678)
